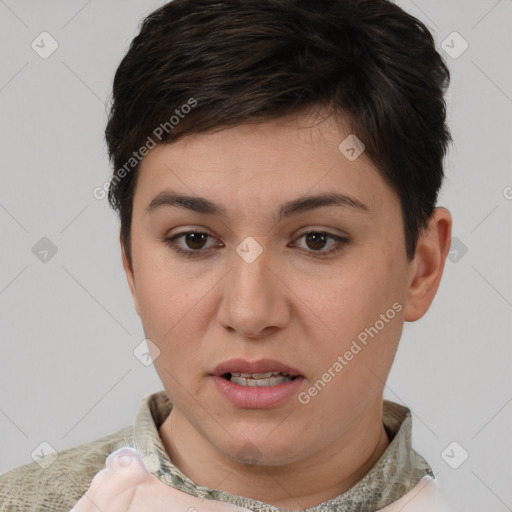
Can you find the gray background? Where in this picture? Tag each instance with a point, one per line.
(67, 369)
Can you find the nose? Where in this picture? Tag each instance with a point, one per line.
(255, 301)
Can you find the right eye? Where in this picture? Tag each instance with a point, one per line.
(188, 243)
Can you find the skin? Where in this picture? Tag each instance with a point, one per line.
(290, 304)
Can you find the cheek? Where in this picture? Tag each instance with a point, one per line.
(171, 316)
(168, 297)
(356, 299)
(363, 309)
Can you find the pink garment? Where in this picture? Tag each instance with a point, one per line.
(114, 487)
(426, 496)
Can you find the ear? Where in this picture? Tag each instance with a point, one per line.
(427, 266)
(130, 274)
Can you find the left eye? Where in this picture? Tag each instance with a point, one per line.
(317, 241)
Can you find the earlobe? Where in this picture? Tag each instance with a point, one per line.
(428, 264)
(130, 275)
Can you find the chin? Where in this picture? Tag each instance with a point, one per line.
(260, 452)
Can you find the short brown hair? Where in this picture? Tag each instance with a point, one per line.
(245, 61)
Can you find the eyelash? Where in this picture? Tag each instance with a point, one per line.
(341, 242)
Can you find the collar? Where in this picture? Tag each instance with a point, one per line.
(398, 470)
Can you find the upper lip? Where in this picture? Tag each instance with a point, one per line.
(259, 366)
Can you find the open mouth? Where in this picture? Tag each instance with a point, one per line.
(258, 379)
(261, 384)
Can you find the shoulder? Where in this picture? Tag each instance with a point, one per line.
(426, 495)
(58, 483)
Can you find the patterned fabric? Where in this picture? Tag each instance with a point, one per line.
(60, 485)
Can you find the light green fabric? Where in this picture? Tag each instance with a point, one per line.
(60, 486)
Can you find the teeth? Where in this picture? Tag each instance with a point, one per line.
(259, 379)
(258, 375)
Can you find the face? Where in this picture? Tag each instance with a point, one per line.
(293, 262)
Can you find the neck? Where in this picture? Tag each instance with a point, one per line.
(336, 468)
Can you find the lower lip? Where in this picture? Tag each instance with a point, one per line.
(257, 398)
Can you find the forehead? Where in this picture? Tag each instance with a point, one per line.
(263, 163)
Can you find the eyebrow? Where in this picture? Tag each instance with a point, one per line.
(168, 198)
